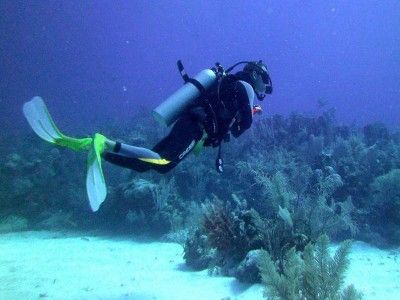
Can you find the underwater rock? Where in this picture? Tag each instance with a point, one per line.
(13, 223)
(248, 271)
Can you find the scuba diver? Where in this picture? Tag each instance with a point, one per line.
(204, 112)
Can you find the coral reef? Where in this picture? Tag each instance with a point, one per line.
(312, 275)
(13, 223)
(385, 205)
(287, 181)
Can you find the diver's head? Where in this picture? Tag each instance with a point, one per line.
(259, 78)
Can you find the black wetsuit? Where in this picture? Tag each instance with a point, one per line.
(230, 112)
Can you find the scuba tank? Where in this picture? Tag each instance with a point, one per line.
(171, 109)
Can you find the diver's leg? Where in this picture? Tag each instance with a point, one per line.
(184, 135)
(126, 162)
(132, 157)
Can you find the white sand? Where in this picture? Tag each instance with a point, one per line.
(375, 272)
(36, 265)
(45, 265)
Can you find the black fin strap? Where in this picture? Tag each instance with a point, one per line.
(117, 147)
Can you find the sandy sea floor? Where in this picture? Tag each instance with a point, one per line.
(51, 265)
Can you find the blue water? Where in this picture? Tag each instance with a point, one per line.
(101, 59)
(323, 158)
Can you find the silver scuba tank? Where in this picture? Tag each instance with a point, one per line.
(170, 110)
